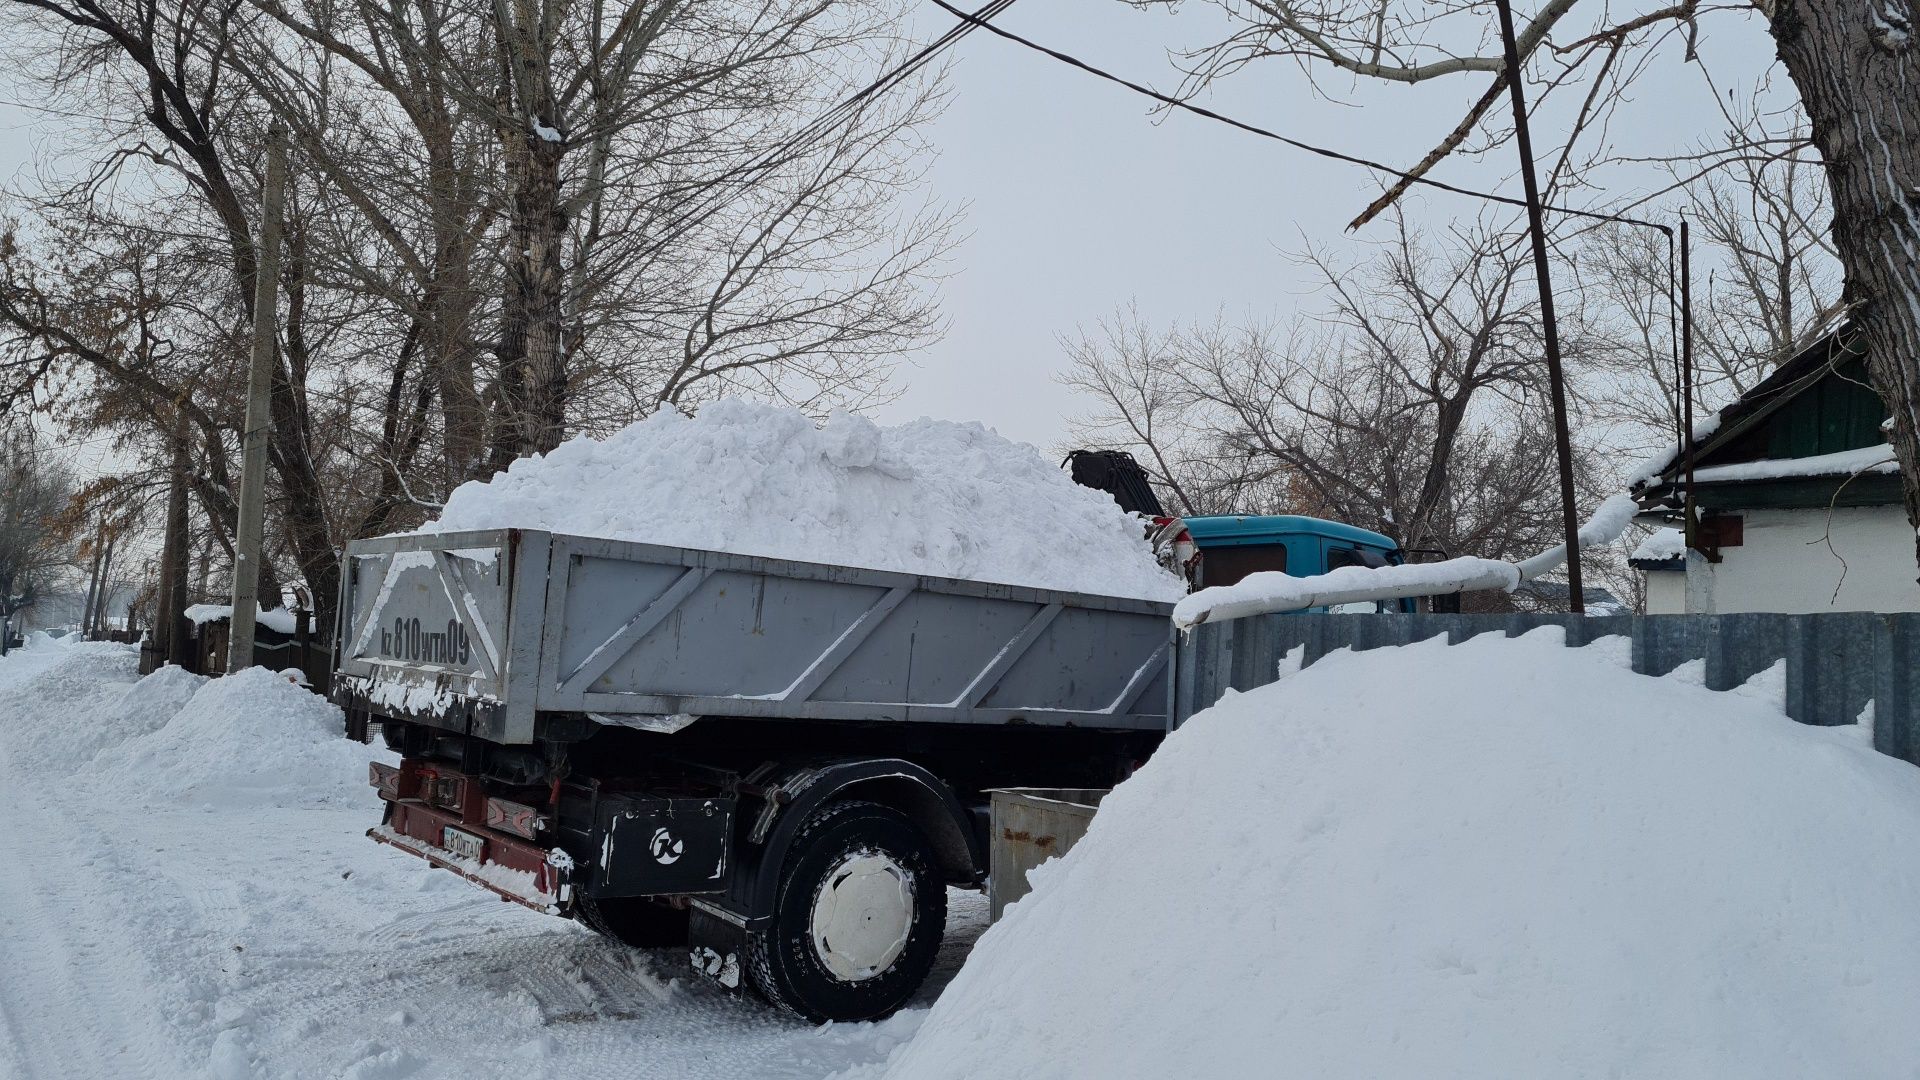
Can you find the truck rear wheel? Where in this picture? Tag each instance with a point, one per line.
(634, 920)
(858, 916)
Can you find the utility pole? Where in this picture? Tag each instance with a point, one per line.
(1556, 380)
(253, 438)
(1690, 515)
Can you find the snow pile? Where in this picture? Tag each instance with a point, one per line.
(1271, 591)
(80, 706)
(928, 497)
(1505, 858)
(253, 736)
(1662, 544)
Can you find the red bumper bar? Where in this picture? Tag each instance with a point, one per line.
(517, 870)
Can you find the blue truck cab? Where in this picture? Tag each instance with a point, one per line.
(1233, 546)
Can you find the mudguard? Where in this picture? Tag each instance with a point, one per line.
(794, 793)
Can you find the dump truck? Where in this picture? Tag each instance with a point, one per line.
(779, 766)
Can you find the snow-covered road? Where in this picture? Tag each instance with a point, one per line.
(164, 917)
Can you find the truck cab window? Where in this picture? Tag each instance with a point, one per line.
(1338, 557)
(1227, 565)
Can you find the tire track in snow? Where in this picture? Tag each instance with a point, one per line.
(73, 996)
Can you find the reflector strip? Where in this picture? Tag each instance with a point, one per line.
(516, 818)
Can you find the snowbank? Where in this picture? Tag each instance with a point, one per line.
(81, 705)
(1505, 858)
(254, 736)
(927, 497)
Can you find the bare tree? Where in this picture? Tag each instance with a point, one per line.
(1766, 282)
(1411, 405)
(34, 491)
(472, 271)
(1854, 67)
(671, 223)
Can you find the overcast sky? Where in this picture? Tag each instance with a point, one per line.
(1078, 201)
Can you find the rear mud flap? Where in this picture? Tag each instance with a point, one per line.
(717, 943)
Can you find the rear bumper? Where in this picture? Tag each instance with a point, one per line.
(438, 704)
(517, 870)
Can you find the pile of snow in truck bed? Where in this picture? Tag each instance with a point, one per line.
(1505, 858)
(927, 497)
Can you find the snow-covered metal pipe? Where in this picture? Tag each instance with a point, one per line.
(1272, 592)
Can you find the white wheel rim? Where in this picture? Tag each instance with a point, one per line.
(862, 915)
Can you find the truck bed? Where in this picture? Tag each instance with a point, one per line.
(489, 633)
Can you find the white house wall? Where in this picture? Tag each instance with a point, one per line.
(1666, 592)
(1803, 561)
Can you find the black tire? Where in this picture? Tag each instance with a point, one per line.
(634, 920)
(783, 962)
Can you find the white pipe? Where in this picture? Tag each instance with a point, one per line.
(1273, 592)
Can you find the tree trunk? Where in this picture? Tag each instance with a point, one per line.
(530, 331)
(532, 363)
(1858, 73)
(169, 625)
(447, 311)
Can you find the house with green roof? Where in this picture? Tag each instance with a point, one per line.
(1796, 495)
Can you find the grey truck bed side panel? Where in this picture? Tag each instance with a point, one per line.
(642, 635)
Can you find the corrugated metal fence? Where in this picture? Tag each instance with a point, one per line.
(1836, 664)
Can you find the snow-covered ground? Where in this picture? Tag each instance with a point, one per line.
(186, 891)
(1500, 858)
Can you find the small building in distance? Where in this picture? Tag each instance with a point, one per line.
(1798, 500)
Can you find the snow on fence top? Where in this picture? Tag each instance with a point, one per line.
(1503, 858)
(927, 497)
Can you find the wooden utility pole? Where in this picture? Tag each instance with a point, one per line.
(93, 579)
(253, 439)
(1556, 381)
(105, 593)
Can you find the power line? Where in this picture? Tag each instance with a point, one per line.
(1266, 133)
(722, 188)
(52, 448)
(61, 112)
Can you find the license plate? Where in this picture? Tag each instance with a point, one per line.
(464, 844)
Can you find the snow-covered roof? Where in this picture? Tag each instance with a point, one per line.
(1726, 433)
(1662, 545)
(1866, 459)
(279, 620)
